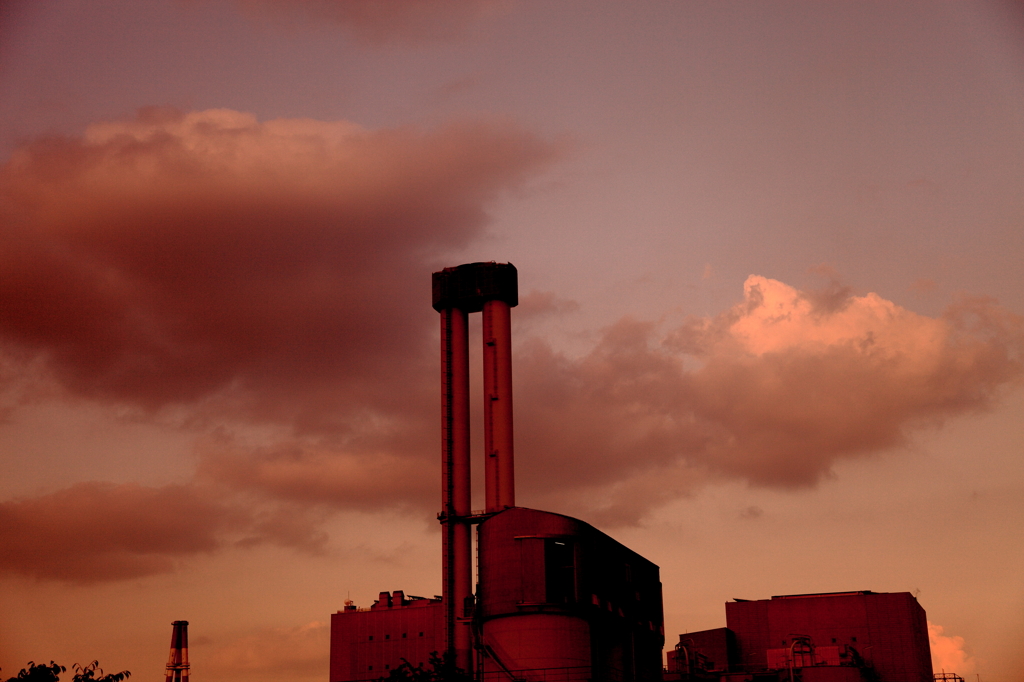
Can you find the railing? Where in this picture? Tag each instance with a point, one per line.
(570, 674)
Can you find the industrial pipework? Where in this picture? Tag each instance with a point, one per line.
(491, 289)
(177, 663)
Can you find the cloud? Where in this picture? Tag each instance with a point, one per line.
(775, 391)
(376, 22)
(164, 259)
(317, 474)
(948, 654)
(542, 303)
(752, 512)
(240, 272)
(100, 531)
(274, 274)
(293, 653)
(797, 382)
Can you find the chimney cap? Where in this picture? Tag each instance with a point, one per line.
(467, 287)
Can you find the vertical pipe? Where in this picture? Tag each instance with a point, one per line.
(172, 660)
(499, 465)
(184, 651)
(457, 558)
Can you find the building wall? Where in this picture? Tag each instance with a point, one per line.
(367, 644)
(889, 630)
(542, 574)
(717, 647)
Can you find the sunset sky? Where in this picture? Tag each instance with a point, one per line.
(770, 333)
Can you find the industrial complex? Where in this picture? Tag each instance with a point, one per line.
(836, 637)
(554, 599)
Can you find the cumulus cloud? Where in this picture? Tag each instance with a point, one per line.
(774, 391)
(379, 22)
(948, 654)
(275, 274)
(163, 259)
(255, 272)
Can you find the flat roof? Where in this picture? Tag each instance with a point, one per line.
(821, 594)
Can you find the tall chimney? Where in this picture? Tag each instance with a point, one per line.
(491, 288)
(498, 472)
(177, 663)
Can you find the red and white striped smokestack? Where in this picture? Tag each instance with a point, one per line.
(177, 663)
(491, 288)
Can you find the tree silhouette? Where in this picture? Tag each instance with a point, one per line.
(39, 673)
(83, 673)
(440, 669)
(89, 674)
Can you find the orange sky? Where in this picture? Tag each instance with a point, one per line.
(770, 328)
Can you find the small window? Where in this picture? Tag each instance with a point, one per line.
(387, 636)
(853, 639)
(421, 634)
(403, 635)
(833, 640)
(370, 668)
(387, 666)
(371, 638)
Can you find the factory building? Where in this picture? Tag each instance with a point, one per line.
(367, 643)
(556, 594)
(555, 599)
(836, 637)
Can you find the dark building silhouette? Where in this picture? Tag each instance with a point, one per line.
(705, 651)
(556, 594)
(836, 637)
(368, 643)
(555, 599)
